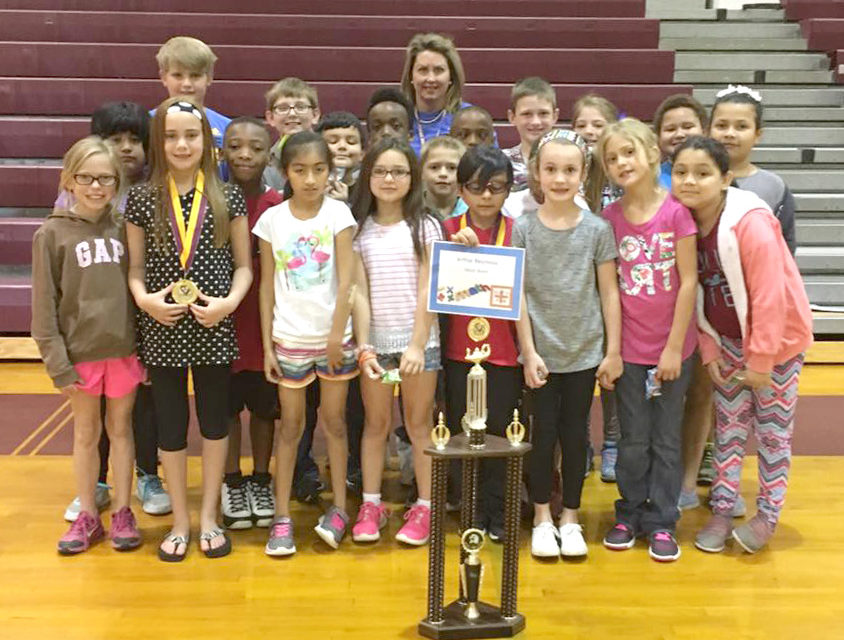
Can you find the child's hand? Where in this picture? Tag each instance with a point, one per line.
(610, 370)
(756, 379)
(70, 390)
(334, 354)
(466, 236)
(670, 363)
(338, 190)
(272, 370)
(536, 373)
(213, 312)
(163, 312)
(716, 368)
(371, 369)
(412, 361)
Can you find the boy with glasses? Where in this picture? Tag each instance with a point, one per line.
(292, 106)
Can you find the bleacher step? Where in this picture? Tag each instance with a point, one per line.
(825, 260)
(710, 43)
(820, 232)
(755, 77)
(736, 60)
(784, 97)
(729, 31)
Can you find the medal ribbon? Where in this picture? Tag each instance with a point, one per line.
(187, 239)
(502, 229)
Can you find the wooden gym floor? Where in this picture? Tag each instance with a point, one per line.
(793, 589)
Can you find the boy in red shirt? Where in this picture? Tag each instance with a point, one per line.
(248, 500)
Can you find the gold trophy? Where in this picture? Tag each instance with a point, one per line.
(515, 430)
(471, 571)
(440, 435)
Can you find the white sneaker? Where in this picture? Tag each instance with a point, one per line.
(234, 502)
(572, 543)
(102, 498)
(152, 495)
(544, 542)
(261, 501)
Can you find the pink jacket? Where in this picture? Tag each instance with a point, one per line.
(770, 300)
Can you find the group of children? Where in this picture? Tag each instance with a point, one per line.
(301, 282)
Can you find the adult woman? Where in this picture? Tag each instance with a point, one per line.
(433, 80)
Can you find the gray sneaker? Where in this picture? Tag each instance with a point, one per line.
(152, 495)
(332, 526)
(688, 500)
(753, 534)
(713, 536)
(102, 498)
(281, 538)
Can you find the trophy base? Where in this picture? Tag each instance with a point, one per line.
(490, 624)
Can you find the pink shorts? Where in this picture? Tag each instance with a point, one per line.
(114, 377)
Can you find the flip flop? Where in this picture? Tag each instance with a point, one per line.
(215, 552)
(176, 541)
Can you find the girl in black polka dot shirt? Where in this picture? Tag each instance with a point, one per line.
(189, 268)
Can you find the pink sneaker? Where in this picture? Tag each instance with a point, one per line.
(371, 519)
(418, 526)
(85, 531)
(124, 532)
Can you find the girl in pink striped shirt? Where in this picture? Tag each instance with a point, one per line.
(393, 327)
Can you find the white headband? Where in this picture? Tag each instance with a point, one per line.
(184, 107)
(740, 88)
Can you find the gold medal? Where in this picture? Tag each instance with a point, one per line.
(185, 292)
(478, 329)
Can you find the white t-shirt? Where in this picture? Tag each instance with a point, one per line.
(305, 273)
(393, 273)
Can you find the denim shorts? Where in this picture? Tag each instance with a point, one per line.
(433, 360)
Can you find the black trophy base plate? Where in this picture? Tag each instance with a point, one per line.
(490, 624)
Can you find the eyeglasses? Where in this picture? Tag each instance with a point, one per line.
(84, 179)
(300, 109)
(494, 187)
(396, 173)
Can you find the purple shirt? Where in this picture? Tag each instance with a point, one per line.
(648, 279)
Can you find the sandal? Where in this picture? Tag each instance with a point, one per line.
(176, 541)
(215, 552)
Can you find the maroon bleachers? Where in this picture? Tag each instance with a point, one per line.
(345, 64)
(803, 9)
(823, 34)
(61, 59)
(393, 31)
(538, 8)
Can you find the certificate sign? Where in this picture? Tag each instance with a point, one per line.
(483, 281)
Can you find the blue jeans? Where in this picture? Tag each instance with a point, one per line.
(649, 470)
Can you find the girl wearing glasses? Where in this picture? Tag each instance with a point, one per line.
(83, 323)
(484, 176)
(393, 327)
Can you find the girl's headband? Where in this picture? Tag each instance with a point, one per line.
(741, 89)
(184, 107)
(564, 134)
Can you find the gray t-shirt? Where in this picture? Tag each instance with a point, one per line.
(771, 188)
(561, 289)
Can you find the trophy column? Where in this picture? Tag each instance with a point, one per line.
(510, 557)
(436, 556)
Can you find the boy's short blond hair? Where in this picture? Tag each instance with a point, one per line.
(441, 142)
(532, 86)
(291, 88)
(191, 53)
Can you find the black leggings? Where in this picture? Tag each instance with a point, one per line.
(170, 395)
(144, 429)
(561, 406)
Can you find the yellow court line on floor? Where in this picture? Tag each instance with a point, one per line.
(41, 427)
(51, 434)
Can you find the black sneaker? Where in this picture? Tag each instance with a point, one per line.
(620, 537)
(354, 482)
(307, 490)
(495, 531)
(663, 547)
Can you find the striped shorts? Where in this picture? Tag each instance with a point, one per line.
(301, 365)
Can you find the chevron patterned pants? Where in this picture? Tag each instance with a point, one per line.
(769, 413)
